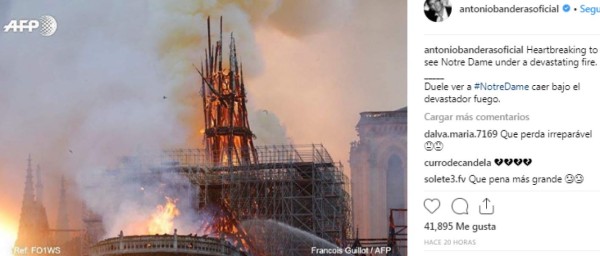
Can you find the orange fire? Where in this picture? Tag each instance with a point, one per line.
(225, 224)
(162, 220)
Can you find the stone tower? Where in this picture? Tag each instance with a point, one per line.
(33, 223)
(378, 165)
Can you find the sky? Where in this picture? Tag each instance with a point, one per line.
(95, 91)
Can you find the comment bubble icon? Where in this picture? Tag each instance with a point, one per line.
(460, 206)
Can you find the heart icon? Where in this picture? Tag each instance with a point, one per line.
(498, 161)
(527, 161)
(518, 161)
(508, 161)
(431, 205)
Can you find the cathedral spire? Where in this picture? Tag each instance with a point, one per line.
(39, 187)
(33, 223)
(28, 195)
(62, 222)
(227, 134)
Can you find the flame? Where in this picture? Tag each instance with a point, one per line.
(8, 235)
(225, 224)
(162, 220)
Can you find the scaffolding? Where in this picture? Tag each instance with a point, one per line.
(398, 236)
(298, 185)
(397, 240)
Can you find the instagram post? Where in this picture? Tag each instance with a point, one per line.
(208, 127)
(500, 128)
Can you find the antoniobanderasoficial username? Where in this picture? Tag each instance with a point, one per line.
(542, 8)
(506, 49)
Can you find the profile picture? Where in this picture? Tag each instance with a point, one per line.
(437, 10)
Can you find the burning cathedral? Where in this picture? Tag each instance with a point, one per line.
(261, 200)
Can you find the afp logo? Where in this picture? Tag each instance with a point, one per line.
(46, 25)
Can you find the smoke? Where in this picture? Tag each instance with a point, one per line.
(279, 237)
(118, 76)
(317, 83)
(301, 18)
(134, 194)
(268, 129)
(79, 99)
